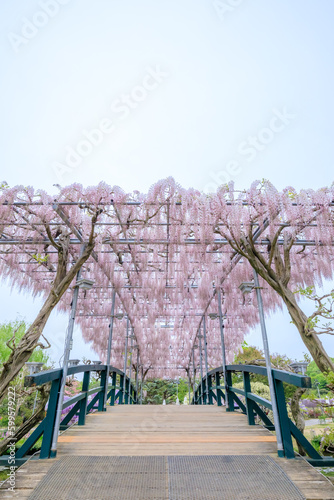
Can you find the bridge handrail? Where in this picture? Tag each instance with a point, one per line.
(208, 392)
(50, 375)
(284, 376)
(80, 404)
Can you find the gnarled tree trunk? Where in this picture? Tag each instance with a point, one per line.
(278, 276)
(22, 352)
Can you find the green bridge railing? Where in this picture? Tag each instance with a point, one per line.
(211, 389)
(81, 404)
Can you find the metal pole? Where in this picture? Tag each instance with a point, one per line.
(113, 300)
(206, 360)
(66, 357)
(130, 368)
(194, 379)
(131, 350)
(268, 366)
(125, 357)
(221, 325)
(137, 373)
(141, 385)
(200, 362)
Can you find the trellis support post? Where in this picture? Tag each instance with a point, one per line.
(228, 398)
(206, 361)
(125, 398)
(111, 325)
(280, 448)
(194, 379)
(201, 362)
(137, 374)
(66, 357)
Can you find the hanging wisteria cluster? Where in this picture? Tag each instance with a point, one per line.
(165, 253)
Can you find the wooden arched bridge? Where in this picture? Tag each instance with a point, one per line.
(221, 446)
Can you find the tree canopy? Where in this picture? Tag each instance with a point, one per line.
(166, 253)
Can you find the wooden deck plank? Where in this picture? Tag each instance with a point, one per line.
(171, 430)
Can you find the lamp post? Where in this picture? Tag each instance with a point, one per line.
(84, 284)
(71, 363)
(299, 367)
(34, 367)
(247, 287)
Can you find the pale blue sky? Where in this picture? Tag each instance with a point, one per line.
(224, 78)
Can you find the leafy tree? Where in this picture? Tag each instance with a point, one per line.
(317, 376)
(277, 266)
(158, 390)
(62, 278)
(30, 402)
(13, 331)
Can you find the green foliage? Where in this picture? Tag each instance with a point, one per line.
(327, 441)
(258, 388)
(158, 390)
(315, 442)
(38, 257)
(11, 333)
(17, 329)
(246, 356)
(317, 376)
(250, 354)
(323, 310)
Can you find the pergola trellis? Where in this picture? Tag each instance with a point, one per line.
(165, 254)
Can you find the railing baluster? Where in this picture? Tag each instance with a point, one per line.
(50, 419)
(228, 395)
(127, 394)
(104, 382)
(210, 402)
(248, 402)
(121, 390)
(113, 390)
(219, 398)
(284, 419)
(83, 402)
